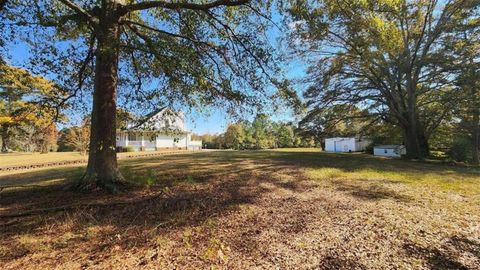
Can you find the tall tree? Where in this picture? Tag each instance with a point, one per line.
(78, 137)
(464, 53)
(26, 101)
(198, 52)
(283, 134)
(383, 56)
(260, 130)
(234, 137)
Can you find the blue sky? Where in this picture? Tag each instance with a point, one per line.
(214, 120)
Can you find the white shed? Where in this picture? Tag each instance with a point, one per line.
(392, 150)
(345, 144)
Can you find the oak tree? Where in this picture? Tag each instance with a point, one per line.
(383, 56)
(149, 53)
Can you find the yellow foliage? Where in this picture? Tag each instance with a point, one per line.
(19, 91)
(6, 120)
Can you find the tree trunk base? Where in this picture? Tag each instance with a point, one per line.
(91, 182)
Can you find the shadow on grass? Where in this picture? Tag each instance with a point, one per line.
(185, 191)
(333, 262)
(462, 243)
(440, 259)
(371, 192)
(351, 162)
(198, 187)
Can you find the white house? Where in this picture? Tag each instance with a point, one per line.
(346, 144)
(162, 129)
(393, 150)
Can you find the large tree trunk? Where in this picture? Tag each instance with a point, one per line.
(416, 142)
(4, 139)
(102, 169)
(476, 136)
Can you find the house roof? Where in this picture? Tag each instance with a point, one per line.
(147, 117)
(160, 120)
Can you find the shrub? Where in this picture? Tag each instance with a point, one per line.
(128, 149)
(460, 150)
(369, 149)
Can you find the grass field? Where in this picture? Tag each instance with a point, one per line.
(13, 159)
(288, 209)
(22, 158)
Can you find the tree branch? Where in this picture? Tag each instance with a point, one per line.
(2, 4)
(80, 11)
(191, 6)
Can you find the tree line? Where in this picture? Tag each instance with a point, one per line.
(260, 133)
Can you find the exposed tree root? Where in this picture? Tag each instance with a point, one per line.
(90, 182)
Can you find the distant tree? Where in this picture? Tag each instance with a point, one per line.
(46, 138)
(263, 133)
(234, 137)
(284, 135)
(78, 137)
(61, 142)
(27, 101)
(260, 130)
(219, 142)
(208, 140)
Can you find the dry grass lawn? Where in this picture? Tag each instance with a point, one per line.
(14, 159)
(22, 158)
(289, 209)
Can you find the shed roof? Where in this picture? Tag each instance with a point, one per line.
(389, 146)
(340, 138)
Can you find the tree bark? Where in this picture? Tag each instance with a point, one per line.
(4, 139)
(476, 134)
(102, 169)
(416, 142)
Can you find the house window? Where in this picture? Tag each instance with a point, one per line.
(132, 136)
